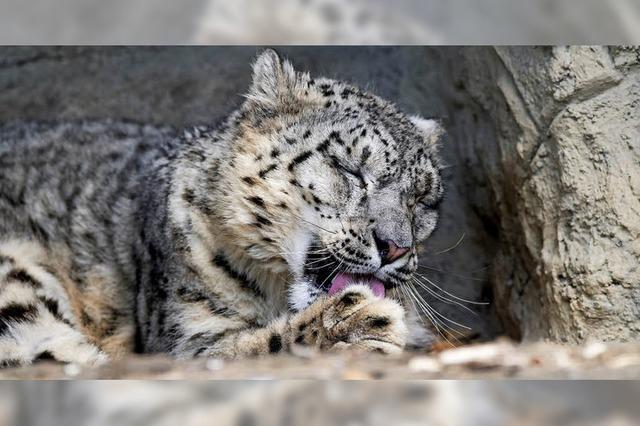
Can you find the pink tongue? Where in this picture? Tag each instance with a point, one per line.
(342, 281)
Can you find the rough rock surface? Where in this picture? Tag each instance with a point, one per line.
(562, 179)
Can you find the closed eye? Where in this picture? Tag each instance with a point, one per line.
(356, 174)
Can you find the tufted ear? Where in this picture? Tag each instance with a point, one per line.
(430, 129)
(273, 79)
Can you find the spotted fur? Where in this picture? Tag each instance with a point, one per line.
(118, 237)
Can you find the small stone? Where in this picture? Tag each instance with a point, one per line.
(483, 354)
(353, 374)
(623, 361)
(214, 364)
(72, 370)
(424, 364)
(593, 350)
(562, 359)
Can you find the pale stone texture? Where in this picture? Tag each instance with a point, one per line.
(564, 178)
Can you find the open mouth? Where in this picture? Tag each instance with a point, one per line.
(329, 277)
(343, 280)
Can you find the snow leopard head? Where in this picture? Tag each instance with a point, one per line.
(330, 182)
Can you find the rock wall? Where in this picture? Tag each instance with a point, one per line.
(560, 179)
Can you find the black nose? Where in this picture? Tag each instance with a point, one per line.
(388, 250)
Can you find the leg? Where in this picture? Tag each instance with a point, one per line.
(35, 319)
(354, 318)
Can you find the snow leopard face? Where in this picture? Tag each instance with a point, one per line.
(330, 182)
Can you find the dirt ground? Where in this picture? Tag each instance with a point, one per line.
(499, 359)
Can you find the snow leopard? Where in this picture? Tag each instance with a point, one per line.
(293, 223)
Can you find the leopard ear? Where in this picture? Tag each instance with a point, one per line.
(273, 79)
(431, 130)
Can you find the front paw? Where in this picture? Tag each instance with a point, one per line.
(355, 318)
